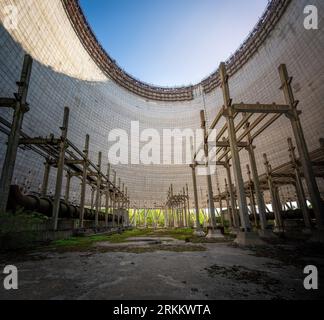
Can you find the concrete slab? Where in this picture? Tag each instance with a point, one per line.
(249, 239)
(221, 272)
(215, 234)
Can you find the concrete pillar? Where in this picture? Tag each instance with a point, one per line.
(194, 182)
(60, 169)
(229, 210)
(118, 202)
(46, 178)
(252, 200)
(209, 179)
(145, 218)
(188, 207)
(84, 179)
(93, 193)
(229, 112)
(299, 186)
(67, 187)
(165, 213)
(302, 147)
(107, 209)
(257, 188)
(98, 194)
(114, 199)
(108, 195)
(278, 199)
(236, 223)
(184, 208)
(13, 141)
(274, 197)
(221, 211)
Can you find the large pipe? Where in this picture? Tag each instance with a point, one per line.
(44, 205)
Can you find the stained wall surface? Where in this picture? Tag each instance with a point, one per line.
(65, 75)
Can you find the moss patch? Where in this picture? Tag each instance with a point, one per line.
(246, 276)
(170, 248)
(87, 244)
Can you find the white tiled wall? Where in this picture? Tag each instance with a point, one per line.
(64, 75)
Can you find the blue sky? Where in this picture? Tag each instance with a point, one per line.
(171, 42)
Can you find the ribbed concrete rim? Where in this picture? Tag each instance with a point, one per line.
(261, 32)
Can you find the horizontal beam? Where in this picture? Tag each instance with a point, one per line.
(218, 163)
(7, 103)
(225, 144)
(262, 108)
(39, 141)
(71, 162)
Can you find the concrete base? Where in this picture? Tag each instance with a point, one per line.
(214, 234)
(278, 230)
(317, 236)
(249, 239)
(234, 231)
(199, 233)
(266, 234)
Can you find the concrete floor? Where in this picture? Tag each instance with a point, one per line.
(204, 275)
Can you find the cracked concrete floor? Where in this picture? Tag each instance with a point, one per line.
(220, 272)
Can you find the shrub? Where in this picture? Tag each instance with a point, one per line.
(18, 230)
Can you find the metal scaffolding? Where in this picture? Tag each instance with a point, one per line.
(62, 154)
(256, 118)
(177, 208)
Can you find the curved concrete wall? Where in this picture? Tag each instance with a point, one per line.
(65, 75)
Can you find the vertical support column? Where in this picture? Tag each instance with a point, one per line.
(166, 220)
(299, 186)
(114, 199)
(93, 192)
(84, 179)
(145, 218)
(188, 207)
(194, 182)
(98, 195)
(209, 179)
(127, 207)
(257, 188)
(274, 199)
(60, 169)
(279, 203)
(118, 203)
(13, 141)
(229, 210)
(107, 209)
(229, 112)
(220, 200)
(302, 147)
(235, 218)
(123, 206)
(107, 196)
(46, 177)
(253, 208)
(185, 208)
(67, 187)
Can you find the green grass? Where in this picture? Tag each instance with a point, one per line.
(179, 234)
(89, 241)
(84, 243)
